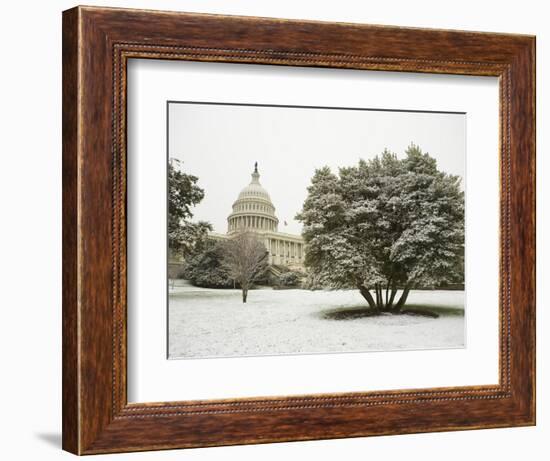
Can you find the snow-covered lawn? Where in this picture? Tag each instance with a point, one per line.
(215, 323)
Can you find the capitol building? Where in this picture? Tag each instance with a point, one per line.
(253, 211)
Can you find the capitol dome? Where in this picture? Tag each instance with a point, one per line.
(253, 209)
(254, 190)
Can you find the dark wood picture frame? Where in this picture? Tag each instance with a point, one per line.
(97, 44)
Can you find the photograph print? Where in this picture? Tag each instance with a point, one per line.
(311, 230)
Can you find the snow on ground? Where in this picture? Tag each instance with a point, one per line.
(215, 323)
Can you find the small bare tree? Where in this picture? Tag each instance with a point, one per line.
(245, 258)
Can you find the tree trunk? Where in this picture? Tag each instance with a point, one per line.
(387, 292)
(392, 296)
(402, 299)
(366, 294)
(245, 294)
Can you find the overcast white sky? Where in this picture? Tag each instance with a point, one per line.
(220, 143)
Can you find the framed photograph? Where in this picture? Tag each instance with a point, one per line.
(281, 230)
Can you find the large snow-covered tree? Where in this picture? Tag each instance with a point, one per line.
(184, 193)
(385, 226)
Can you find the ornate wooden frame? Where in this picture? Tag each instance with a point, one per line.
(97, 43)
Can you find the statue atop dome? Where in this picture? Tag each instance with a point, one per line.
(255, 175)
